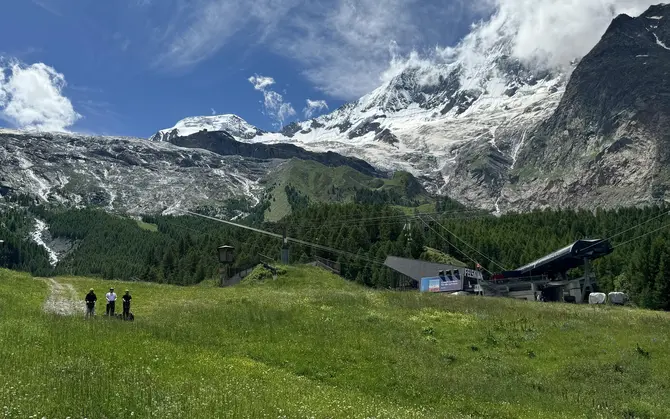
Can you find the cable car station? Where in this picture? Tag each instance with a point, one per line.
(544, 279)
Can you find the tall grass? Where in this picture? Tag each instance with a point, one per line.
(312, 345)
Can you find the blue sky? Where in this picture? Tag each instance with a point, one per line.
(131, 67)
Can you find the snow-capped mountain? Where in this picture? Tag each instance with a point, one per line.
(232, 124)
(456, 121)
(486, 128)
(473, 122)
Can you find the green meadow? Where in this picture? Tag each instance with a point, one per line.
(310, 345)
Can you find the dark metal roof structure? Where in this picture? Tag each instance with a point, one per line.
(567, 258)
(417, 269)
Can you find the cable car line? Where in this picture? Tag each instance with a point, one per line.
(642, 235)
(470, 246)
(288, 239)
(452, 245)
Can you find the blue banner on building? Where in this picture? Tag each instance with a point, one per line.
(441, 284)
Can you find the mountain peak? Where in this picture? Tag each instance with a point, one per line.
(232, 124)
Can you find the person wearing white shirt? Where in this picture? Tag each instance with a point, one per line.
(111, 302)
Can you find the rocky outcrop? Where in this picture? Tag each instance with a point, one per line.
(608, 143)
(224, 144)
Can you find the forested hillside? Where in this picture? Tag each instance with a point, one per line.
(182, 249)
(18, 252)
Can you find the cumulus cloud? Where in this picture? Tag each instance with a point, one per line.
(544, 34)
(261, 82)
(552, 33)
(31, 97)
(314, 106)
(273, 102)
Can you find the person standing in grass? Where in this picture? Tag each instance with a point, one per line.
(126, 304)
(91, 298)
(111, 302)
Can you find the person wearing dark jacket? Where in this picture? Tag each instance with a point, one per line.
(91, 298)
(126, 304)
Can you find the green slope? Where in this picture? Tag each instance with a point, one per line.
(314, 182)
(312, 345)
(433, 255)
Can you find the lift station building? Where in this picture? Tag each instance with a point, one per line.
(546, 278)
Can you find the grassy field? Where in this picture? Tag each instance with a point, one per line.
(147, 226)
(311, 345)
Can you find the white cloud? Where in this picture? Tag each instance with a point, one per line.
(341, 45)
(344, 46)
(273, 102)
(313, 106)
(552, 33)
(213, 111)
(197, 29)
(261, 82)
(31, 97)
(544, 34)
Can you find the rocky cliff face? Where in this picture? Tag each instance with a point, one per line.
(121, 174)
(608, 143)
(225, 144)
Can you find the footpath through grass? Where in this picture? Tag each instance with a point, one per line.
(312, 345)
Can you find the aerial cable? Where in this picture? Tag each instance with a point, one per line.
(631, 229)
(280, 236)
(643, 235)
(470, 246)
(459, 215)
(452, 245)
(385, 217)
(257, 230)
(333, 250)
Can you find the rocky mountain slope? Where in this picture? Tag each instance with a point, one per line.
(121, 174)
(457, 123)
(484, 128)
(136, 176)
(608, 143)
(224, 144)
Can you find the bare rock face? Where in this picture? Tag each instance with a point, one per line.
(608, 143)
(133, 176)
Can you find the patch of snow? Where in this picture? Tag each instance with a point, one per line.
(493, 140)
(517, 149)
(247, 187)
(38, 237)
(655, 17)
(659, 42)
(42, 187)
(497, 212)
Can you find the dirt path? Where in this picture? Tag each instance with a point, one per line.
(63, 300)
